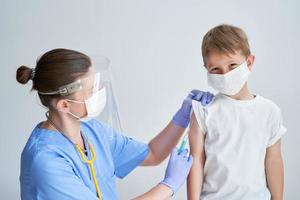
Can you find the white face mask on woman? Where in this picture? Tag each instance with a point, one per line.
(231, 82)
(94, 105)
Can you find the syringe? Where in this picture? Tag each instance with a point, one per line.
(182, 144)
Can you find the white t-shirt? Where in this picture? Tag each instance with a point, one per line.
(237, 134)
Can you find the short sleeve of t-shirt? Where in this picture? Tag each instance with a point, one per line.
(127, 153)
(200, 115)
(277, 128)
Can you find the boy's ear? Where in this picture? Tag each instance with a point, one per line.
(250, 61)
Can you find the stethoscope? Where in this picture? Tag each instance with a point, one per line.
(90, 162)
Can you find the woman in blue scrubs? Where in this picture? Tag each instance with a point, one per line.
(68, 158)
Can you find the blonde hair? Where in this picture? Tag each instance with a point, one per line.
(226, 39)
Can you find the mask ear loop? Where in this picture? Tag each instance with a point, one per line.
(75, 116)
(81, 102)
(38, 101)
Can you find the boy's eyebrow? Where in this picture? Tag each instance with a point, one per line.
(229, 61)
(232, 60)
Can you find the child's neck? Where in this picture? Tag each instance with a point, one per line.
(243, 94)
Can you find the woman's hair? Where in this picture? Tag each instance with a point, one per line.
(54, 69)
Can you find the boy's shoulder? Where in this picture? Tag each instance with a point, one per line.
(267, 103)
(258, 102)
(221, 100)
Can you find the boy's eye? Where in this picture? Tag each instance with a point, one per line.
(233, 65)
(213, 69)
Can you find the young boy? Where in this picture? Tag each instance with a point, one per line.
(235, 141)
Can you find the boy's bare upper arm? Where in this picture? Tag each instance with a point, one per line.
(274, 151)
(196, 175)
(196, 138)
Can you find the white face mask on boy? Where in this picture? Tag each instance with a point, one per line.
(231, 82)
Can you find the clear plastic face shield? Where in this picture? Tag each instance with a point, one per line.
(98, 95)
(110, 113)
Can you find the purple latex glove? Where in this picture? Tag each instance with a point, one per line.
(178, 169)
(182, 116)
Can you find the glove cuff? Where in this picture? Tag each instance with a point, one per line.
(181, 119)
(168, 185)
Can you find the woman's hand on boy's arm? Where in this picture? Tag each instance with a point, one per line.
(195, 178)
(162, 144)
(274, 171)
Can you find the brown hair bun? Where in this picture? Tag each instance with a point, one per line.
(23, 74)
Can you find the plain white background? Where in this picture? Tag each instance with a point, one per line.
(154, 47)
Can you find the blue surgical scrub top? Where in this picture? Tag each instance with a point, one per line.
(51, 167)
